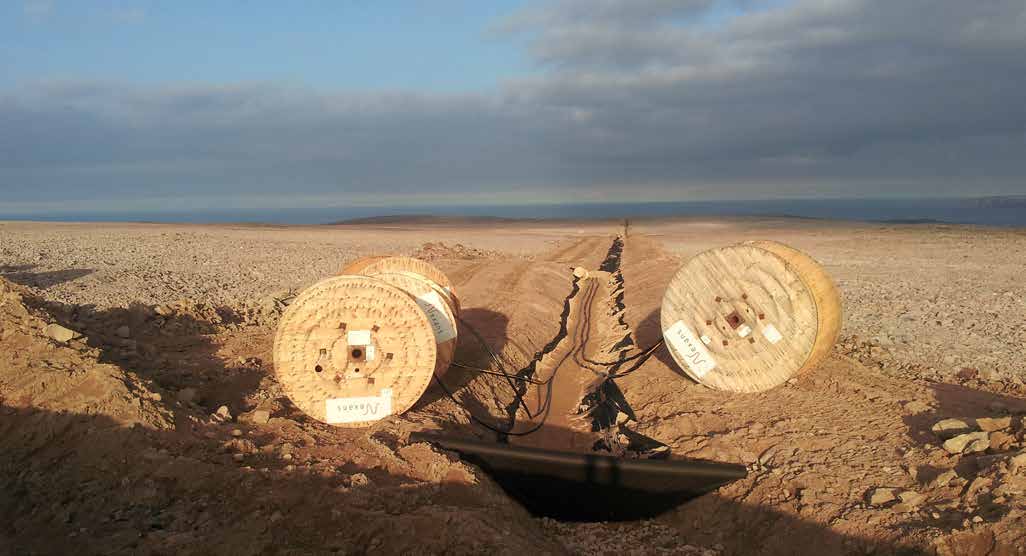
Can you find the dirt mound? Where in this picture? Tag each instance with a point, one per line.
(50, 367)
(94, 460)
(433, 251)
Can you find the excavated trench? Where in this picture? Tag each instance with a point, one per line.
(571, 365)
(529, 371)
(566, 453)
(575, 392)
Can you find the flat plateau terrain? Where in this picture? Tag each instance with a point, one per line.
(160, 427)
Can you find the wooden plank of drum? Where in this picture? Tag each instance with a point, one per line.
(748, 317)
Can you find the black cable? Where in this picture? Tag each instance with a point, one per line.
(641, 357)
(641, 353)
(509, 378)
(586, 336)
(498, 363)
(488, 426)
(490, 372)
(547, 383)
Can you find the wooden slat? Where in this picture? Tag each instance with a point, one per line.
(749, 317)
(824, 292)
(419, 287)
(357, 266)
(408, 264)
(418, 278)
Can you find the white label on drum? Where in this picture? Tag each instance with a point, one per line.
(772, 334)
(433, 306)
(690, 349)
(744, 331)
(355, 410)
(706, 340)
(369, 351)
(358, 337)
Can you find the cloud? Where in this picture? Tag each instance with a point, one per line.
(257, 139)
(631, 100)
(825, 81)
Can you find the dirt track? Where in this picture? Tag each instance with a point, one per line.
(815, 448)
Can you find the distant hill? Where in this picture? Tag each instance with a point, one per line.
(1004, 201)
(410, 219)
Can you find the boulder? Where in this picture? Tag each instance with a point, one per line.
(991, 424)
(944, 478)
(949, 428)
(976, 446)
(912, 498)
(257, 416)
(958, 444)
(1017, 462)
(880, 496)
(1001, 440)
(359, 479)
(60, 333)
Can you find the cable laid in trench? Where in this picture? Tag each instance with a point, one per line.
(523, 375)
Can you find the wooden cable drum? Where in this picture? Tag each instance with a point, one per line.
(748, 317)
(377, 264)
(437, 304)
(353, 349)
(357, 266)
(413, 266)
(425, 279)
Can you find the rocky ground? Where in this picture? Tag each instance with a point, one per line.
(141, 413)
(115, 265)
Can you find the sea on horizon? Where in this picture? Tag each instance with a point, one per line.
(1003, 212)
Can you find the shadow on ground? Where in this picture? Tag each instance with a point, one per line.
(87, 484)
(25, 276)
(482, 334)
(650, 331)
(176, 351)
(961, 402)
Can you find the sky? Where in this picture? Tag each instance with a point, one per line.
(145, 105)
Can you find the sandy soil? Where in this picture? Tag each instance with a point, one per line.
(112, 443)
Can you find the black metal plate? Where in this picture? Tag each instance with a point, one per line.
(590, 487)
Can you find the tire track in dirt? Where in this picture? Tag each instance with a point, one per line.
(510, 283)
(463, 274)
(585, 252)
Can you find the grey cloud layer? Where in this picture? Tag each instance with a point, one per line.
(845, 97)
